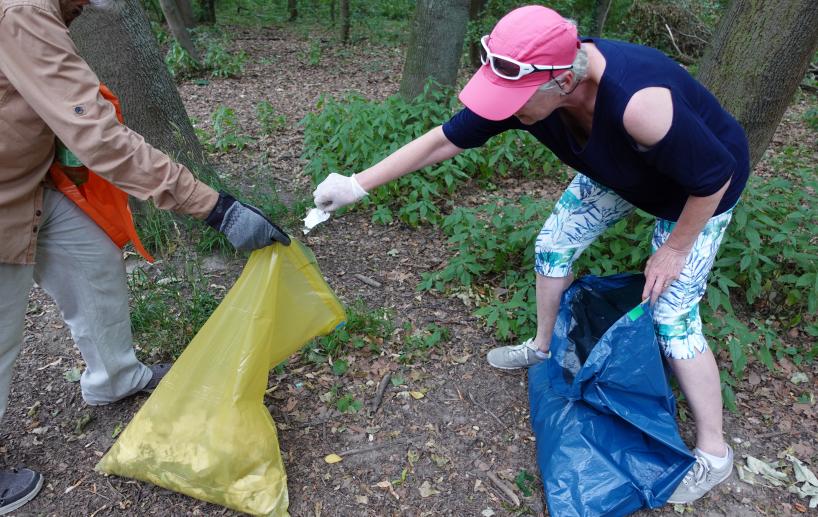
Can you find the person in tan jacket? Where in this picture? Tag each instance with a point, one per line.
(48, 92)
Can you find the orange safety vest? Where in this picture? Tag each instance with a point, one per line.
(105, 203)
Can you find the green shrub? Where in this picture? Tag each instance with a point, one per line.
(269, 119)
(351, 134)
(226, 132)
(768, 255)
(215, 58)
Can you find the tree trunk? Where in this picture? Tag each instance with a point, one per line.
(332, 11)
(186, 10)
(292, 7)
(177, 26)
(208, 11)
(601, 9)
(756, 60)
(435, 45)
(118, 45)
(475, 8)
(344, 32)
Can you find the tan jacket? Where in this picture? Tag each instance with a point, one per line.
(47, 89)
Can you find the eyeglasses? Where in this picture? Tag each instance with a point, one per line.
(511, 69)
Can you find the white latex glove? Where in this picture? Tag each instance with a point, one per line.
(337, 191)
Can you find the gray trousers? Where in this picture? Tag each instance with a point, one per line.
(83, 271)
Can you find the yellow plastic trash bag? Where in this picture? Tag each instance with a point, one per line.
(205, 431)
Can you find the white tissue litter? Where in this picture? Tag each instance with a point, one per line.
(314, 217)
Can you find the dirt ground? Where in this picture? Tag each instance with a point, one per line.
(454, 447)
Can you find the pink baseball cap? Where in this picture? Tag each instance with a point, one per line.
(532, 34)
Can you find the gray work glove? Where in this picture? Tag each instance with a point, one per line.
(244, 226)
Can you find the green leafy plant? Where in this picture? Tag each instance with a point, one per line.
(215, 58)
(269, 119)
(364, 329)
(811, 118)
(417, 343)
(348, 404)
(525, 482)
(168, 310)
(226, 131)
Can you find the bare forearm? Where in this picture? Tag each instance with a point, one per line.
(433, 147)
(697, 211)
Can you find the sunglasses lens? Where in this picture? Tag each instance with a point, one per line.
(506, 68)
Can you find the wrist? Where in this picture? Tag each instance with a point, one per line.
(216, 216)
(360, 191)
(678, 250)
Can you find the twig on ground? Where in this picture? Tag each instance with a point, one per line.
(376, 403)
(504, 488)
(75, 485)
(487, 410)
(103, 507)
(312, 423)
(364, 450)
(770, 434)
(368, 281)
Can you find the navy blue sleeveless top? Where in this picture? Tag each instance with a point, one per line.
(704, 147)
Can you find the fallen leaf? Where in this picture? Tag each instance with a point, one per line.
(488, 512)
(802, 473)
(73, 375)
(754, 379)
(766, 470)
(332, 458)
(362, 499)
(439, 460)
(417, 395)
(799, 377)
(426, 490)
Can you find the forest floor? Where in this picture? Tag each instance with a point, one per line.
(447, 453)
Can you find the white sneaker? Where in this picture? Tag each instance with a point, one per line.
(517, 356)
(701, 478)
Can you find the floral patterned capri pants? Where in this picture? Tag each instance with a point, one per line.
(585, 210)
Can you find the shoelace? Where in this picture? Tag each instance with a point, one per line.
(698, 472)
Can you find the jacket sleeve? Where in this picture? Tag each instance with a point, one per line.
(41, 62)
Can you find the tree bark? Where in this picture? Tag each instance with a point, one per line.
(292, 7)
(756, 61)
(435, 44)
(120, 48)
(344, 15)
(186, 10)
(475, 8)
(177, 26)
(601, 9)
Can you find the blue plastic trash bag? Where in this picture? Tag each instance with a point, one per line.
(601, 407)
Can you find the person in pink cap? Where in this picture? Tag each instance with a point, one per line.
(641, 133)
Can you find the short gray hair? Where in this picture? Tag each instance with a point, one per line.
(579, 66)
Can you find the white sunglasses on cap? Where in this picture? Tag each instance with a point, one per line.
(509, 68)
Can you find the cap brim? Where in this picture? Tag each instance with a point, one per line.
(494, 98)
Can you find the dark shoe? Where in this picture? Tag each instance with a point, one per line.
(17, 487)
(159, 372)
